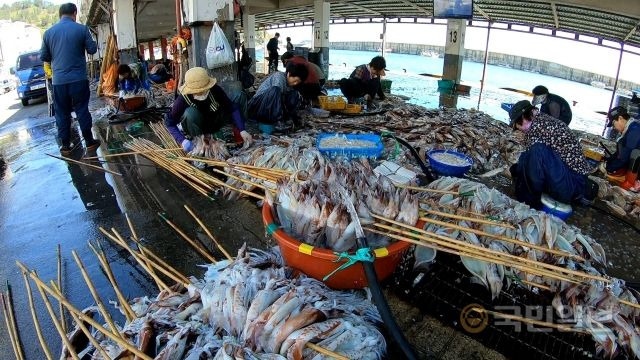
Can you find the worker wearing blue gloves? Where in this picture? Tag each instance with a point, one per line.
(553, 162)
(626, 160)
(202, 107)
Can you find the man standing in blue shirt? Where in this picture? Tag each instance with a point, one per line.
(64, 46)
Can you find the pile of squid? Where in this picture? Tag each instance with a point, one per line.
(249, 308)
(206, 147)
(593, 306)
(315, 210)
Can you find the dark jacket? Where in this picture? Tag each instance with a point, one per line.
(64, 46)
(557, 107)
(217, 102)
(629, 141)
(556, 135)
(272, 45)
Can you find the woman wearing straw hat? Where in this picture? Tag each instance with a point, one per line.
(202, 107)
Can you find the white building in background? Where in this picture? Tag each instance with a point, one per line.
(17, 37)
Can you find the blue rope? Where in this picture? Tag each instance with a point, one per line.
(362, 254)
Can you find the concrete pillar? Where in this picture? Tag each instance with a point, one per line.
(200, 13)
(103, 36)
(152, 57)
(383, 36)
(454, 49)
(124, 27)
(249, 29)
(163, 47)
(322, 14)
(453, 56)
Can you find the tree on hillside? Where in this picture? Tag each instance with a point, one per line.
(40, 13)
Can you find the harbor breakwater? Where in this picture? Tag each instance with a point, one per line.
(511, 61)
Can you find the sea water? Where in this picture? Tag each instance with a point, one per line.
(404, 70)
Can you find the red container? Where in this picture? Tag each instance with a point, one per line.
(319, 262)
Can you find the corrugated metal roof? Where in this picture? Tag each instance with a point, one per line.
(572, 16)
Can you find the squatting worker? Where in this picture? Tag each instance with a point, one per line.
(364, 81)
(629, 128)
(64, 46)
(202, 108)
(311, 88)
(552, 104)
(553, 162)
(277, 99)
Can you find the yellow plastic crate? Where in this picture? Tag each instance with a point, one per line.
(352, 109)
(332, 102)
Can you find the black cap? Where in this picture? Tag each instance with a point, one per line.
(615, 113)
(518, 109)
(540, 90)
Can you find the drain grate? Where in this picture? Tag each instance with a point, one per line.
(447, 288)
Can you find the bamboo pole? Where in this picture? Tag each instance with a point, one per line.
(468, 252)
(36, 322)
(84, 164)
(161, 284)
(327, 352)
(96, 296)
(510, 256)
(246, 181)
(499, 237)
(205, 254)
(56, 323)
(161, 263)
(133, 230)
(628, 303)
(82, 317)
(432, 203)
(145, 263)
(12, 319)
(124, 304)
(7, 323)
(130, 153)
(63, 322)
(467, 218)
(424, 189)
(209, 234)
(84, 329)
(546, 324)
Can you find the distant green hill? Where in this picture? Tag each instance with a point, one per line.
(38, 13)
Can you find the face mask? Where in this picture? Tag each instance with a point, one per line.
(540, 99)
(201, 97)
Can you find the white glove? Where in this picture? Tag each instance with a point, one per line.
(247, 138)
(187, 145)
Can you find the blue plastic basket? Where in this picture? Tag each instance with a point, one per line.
(446, 169)
(372, 153)
(554, 207)
(506, 106)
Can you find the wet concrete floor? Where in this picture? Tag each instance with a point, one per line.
(45, 202)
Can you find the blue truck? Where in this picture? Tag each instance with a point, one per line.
(30, 77)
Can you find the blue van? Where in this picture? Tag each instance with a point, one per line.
(29, 72)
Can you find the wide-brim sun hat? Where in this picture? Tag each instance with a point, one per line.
(197, 80)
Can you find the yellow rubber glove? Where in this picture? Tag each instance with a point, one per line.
(47, 70)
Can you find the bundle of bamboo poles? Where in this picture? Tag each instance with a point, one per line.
(6, 300)
(150, 262)
(108, 59)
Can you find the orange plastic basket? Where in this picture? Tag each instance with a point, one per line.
(318, 262)
(352, 109)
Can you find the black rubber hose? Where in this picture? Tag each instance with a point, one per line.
(383, 307)
(430, 176)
